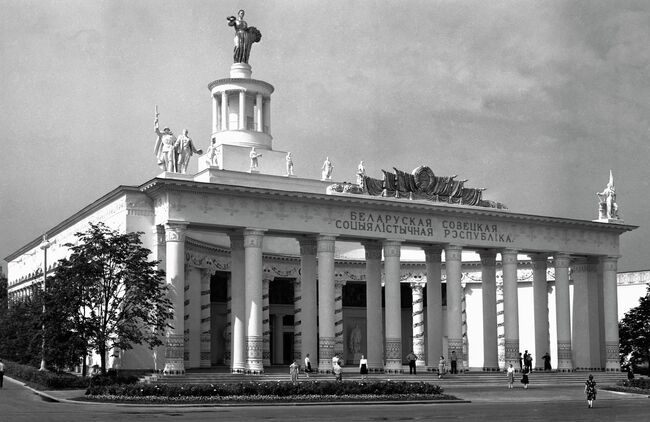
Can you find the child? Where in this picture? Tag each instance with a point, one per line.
(590, 391)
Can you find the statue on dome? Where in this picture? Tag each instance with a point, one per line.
(164, 149)
(212, 153)
(184, 147)
(254, 155)
(289, 164)
(245, 36)
(361, 174)
(607, 206)
(327, 169)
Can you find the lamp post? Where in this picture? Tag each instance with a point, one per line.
(44, 246)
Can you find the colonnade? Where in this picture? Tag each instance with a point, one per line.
(586, 340)
(221, 102)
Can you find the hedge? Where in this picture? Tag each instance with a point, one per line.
(270, 388)
(61, 381)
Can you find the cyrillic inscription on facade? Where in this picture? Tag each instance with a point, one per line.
(386, 223)
(467, 230)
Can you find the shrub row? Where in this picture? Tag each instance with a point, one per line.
(277, 389)
(62, 381)
(642, 383)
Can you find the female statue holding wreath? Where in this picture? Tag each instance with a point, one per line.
(245, 36)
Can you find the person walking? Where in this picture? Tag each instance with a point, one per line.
(336, 369)
(454, 362)
(294, 368)
(510, 373)
(2, 373)
(308, 369)
(363, 367)
(590, 391)
(442, 366)
(412, 358)
(524, 377)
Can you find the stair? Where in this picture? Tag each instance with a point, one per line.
(466, 379)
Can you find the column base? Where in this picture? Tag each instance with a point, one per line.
(254, 352)
(174, 367)
(491, 369)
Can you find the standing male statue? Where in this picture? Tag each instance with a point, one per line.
(254, 155)
(184, 148)
(245, 36)
(164, 147)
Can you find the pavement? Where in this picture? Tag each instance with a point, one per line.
(476, 393)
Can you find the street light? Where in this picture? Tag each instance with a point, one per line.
(44, 246)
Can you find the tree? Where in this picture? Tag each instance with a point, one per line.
(634, 333)
(109, 293)
(20, 329)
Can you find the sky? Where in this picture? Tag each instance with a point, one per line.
(534, 100)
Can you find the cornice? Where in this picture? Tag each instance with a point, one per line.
(156, 185)
(223, 81)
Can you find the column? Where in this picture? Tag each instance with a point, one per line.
(193, 314)
(325, 302)
(434, 306)
(237, 304)
(159, 253)
(453, 265)
(585, 342)
(253, 293)
(266, 112)
(417, 299)
(308, 303)
(259, 122)
(540, 308)
(338, 317)
(277, 339)
(266, 326)
(215, 114)
(242, 110)
(175, 278)
(374, 320)
(224, 110)
(392, 296)
(563, 313)
(489, 298)
(610, 308)
(297, 322)
(206, 336)
(227, 354)
(510, 307)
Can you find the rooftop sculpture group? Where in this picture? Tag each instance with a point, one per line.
(173, 153)
(419, 184)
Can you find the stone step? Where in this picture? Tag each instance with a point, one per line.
(469, 378)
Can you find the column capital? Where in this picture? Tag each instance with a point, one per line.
(509, 256)
(561, 260)
(453, 253)
(308, 245)
(372, 248)
(417, 287)
(610, 263)
(236, 240)
(175, 231)
(488, 257)
(253, 238)
(538, 261)
(392, 248)
(432, 252)
(326, 243)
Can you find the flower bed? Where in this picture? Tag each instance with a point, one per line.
(309, 391)
(637, 385)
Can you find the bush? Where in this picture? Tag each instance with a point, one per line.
(62, 380)
(642, 383)
(277, 389)
(51, 380)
